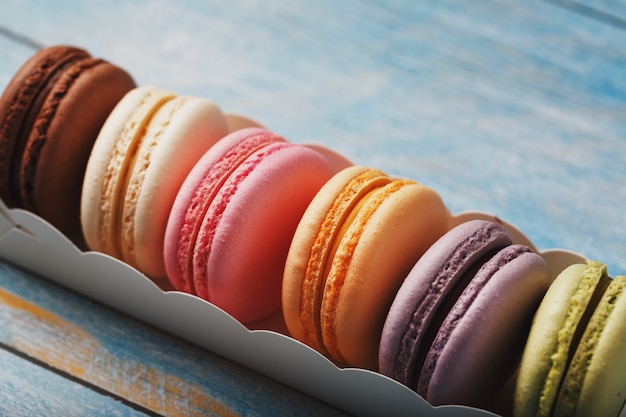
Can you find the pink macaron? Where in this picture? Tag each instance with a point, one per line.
(233, 219)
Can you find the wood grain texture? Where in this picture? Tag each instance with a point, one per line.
(29, 390)
(115, 357)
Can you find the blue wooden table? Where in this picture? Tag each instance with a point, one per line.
(513, 108)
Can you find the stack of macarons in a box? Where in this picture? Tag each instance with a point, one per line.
(370, 270)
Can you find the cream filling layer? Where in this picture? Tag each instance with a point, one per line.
(116, 176)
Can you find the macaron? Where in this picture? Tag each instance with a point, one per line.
(234, 218)
(574, 363)
(352, 249)
(147, 146)
(50, 114)
(457, 326)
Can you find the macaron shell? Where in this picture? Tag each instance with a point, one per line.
(70, 135)
(108, 159)
(178, 134)
(596, 380)
(426, 288)
(545, 354)
(303, 283)
(482, 337)
(195, 195)
(52, 111)
(262, 205)
(16, 101)
(379, 254)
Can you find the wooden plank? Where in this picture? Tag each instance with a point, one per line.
(127, 359)
(28, 390)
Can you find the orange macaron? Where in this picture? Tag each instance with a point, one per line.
(354, 245)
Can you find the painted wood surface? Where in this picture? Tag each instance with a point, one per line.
(30, 390)
(58, 350)
(514, 108)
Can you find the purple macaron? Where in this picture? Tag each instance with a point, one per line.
(457, 327)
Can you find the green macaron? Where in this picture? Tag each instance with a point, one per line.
(574, 362)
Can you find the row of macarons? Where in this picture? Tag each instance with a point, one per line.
(369, 270)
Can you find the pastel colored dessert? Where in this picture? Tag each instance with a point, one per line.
(50, 115)
(146, 148)
(234, 217)
(354, 246)
(457, 326)
(574, 362)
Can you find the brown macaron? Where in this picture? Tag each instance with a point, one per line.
(50, 115)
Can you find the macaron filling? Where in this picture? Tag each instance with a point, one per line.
(341, 261)
(593, 283)
(26, 111)
(117, 175)
(585, 347)
(439, 296)
(45, 108)
(469, 294)
(21, 113)
(202, 196)
(141, 156)
(37, 98)
(215, 210)
(340, 215)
